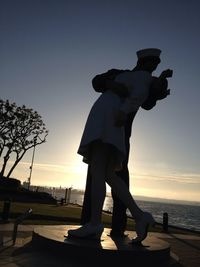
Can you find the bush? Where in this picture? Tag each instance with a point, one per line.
(20, 194)
(10, 183)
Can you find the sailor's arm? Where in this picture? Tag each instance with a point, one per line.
(105, 81)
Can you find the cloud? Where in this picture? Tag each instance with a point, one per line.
(45, 166)
(189, 178)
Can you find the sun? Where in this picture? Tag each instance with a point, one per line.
(80, 167)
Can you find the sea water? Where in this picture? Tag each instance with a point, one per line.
(181, 215)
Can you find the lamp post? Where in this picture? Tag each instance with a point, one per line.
(31, 167)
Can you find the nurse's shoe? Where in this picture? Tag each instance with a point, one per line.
(87, 231)
(142, 226)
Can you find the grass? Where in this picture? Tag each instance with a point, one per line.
(48, 211)
(70, 211)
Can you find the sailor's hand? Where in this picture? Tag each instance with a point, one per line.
(163, 94)
(166, 74)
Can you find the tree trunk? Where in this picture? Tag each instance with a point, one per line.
(15, 164)
(6, 158)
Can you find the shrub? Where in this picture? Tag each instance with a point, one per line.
(10, 183)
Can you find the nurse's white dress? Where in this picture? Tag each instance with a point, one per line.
(100, 124)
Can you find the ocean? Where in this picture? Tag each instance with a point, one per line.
(181, 215)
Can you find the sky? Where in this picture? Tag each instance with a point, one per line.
(51, 49)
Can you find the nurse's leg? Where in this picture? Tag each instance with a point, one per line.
(143, 219)
(122, 192)
(94, 228)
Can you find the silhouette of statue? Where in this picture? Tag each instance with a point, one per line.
(148, 59)
(105, 140)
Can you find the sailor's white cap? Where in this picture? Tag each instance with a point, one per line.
(148, 52)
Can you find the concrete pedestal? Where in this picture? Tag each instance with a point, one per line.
(118, 251)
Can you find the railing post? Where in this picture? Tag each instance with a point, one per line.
(165, 222)
(66, 194)
(6, 210)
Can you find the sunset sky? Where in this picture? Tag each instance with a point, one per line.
(51, 49)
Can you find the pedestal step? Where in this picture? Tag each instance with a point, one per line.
(153, 252)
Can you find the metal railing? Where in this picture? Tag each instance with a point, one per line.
(19, 220)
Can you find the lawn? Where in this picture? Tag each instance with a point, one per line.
(53, 214)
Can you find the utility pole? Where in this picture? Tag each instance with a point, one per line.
(31, 167)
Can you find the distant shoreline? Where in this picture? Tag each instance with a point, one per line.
(137, 197)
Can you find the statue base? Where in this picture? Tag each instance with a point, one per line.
(119, 251)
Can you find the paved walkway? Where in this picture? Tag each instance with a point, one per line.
(22, 254)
